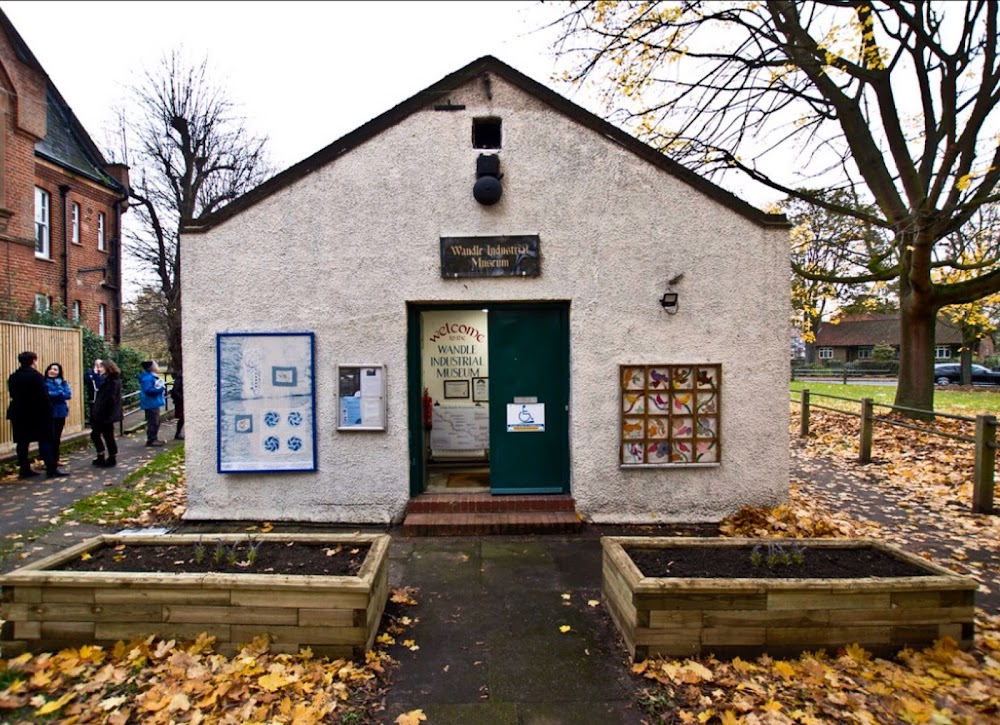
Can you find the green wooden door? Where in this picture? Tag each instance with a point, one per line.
(529, 367)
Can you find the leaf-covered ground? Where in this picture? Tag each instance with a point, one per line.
(916, 494)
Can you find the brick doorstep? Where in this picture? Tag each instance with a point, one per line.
(491, 523)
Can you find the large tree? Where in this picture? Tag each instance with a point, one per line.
(896, 101)
(189, 154)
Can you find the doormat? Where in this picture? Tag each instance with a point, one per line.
(468, 480)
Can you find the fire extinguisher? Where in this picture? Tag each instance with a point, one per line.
(428, 409)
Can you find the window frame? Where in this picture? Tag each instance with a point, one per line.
(74, 223)
(43, 223)
(77, 312)
(865, 353)
(824, 353)
(102, 317)
(43, 303)
(939, 348)
(102, 245)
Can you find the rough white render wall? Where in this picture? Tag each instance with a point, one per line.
(341, 252)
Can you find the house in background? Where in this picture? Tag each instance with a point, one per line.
(60, 202)
(855, 336)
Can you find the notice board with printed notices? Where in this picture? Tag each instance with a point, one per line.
(361, 397)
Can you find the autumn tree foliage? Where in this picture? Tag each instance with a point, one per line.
(190, 153)
(895, 102)
(823, 241)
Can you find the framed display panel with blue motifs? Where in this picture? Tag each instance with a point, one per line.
(670, 415)
(266, 402)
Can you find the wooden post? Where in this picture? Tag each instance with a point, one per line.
(867, 424)
(804, 417)
(986, 456)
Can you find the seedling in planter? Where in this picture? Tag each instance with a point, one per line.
(777, 555)
(252, 547)
(219, 554)
(199, 551)
(233, 554)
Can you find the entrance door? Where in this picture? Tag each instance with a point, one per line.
(529, 369)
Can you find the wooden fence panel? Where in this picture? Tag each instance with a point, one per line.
(63, 345)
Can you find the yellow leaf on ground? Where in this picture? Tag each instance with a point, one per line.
(593, 602)
(413, 717)
(565, 628)
(53, 705)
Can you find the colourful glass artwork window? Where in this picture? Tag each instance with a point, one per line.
(670, 414)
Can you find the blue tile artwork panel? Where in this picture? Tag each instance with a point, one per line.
(266, 397)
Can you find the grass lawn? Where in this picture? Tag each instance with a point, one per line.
(957, 402)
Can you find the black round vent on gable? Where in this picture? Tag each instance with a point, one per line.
(487, 189)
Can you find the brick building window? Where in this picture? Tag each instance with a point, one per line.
(74, 223)
(102, 314)
(76, 311)
(100, 231)
(41, 223)
(43, 303)
(942, 352)
(825, 353)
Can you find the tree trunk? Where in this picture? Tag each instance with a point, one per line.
(915, 388)
(965, 359)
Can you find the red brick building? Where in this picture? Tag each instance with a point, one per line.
(60, 202)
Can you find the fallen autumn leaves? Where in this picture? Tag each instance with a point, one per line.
(156, 681)
(918, 496)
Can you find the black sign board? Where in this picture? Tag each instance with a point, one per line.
(512, 256)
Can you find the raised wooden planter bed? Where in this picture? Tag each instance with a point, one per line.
(681, 617)
(337, 616)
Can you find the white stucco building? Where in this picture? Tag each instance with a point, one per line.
(527, 326)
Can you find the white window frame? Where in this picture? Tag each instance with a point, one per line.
(864, 353)
(74, 223)
(939, 349)
(76, 311)
(824, 353)
(43, 204)
(43, 303)
(101, 243)
(102, 314)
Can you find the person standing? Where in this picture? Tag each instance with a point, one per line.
(177, 395)
(59, 393)
(151, 399)
(106, 412)
(30, 416)
(93, 380)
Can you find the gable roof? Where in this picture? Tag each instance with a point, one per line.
(873, 329)
(439, 91)
(66, 141)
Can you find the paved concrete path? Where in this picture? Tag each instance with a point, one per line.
(26, 505)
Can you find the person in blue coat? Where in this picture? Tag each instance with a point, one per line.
(59, 393)
(152, 397)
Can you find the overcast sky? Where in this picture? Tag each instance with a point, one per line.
(303, 73)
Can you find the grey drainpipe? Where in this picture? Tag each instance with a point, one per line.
(63, 191)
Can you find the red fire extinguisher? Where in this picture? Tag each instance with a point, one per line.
(428, 409)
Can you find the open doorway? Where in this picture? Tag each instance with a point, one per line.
(489, 402)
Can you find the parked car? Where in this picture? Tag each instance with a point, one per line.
(951, 373)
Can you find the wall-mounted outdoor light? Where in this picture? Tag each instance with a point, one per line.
(669, 298)
(487, 189)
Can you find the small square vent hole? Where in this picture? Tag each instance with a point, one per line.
(486, 133)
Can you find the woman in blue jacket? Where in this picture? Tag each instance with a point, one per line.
(59, 393)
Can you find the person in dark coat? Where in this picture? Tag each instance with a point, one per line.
(59, 393)
(177, 395)
(30, 416)
(106, 412)
(92, 381)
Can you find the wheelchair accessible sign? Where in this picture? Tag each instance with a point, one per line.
(525, 417)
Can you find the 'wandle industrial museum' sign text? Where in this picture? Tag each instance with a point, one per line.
(513, 256)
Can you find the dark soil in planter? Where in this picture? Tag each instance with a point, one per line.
(735, 562)
(272, 557)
